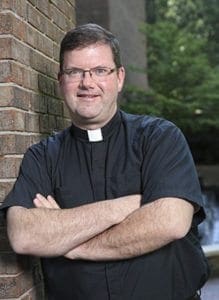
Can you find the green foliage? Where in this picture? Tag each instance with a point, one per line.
(211, 16)
(176, 61)
(184, 86)
(183, 71)
(191, 117)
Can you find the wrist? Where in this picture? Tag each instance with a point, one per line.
(126, 205)
(73, 254)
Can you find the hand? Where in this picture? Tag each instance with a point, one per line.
(41, 202)
(78, 252)
(72, 254)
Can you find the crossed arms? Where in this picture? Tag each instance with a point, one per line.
(105, 230)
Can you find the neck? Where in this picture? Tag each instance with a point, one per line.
(90, 124)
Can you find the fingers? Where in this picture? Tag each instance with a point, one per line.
(41, 202)
(52, 201)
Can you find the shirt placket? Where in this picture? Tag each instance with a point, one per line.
(98, 166)
(98, 158)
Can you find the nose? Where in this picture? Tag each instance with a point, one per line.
(86, 79)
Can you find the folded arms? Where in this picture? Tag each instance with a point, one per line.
(106, 230)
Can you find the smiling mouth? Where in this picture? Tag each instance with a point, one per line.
(87, 96)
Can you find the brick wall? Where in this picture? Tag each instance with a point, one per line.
(30, 108)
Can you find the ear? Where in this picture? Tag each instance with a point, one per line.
(121, 78)
(60, 85)
(59, 77)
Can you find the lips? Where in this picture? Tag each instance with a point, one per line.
(87, 96)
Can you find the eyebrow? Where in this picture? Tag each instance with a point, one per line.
(98, 66)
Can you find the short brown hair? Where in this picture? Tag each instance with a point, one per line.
(86, 35)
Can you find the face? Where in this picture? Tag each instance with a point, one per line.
(92, 103)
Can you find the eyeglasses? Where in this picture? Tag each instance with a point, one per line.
(97, 73)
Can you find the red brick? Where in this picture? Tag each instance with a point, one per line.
(9, 166)
(56, 49)
(56, 34)
(35, 293)
(68, 9)
(5, 187)
(5, 48)
(21, 98)
(49, 124)
(12, 263)
(36, 18)
(20, 52)
(12, 120)
(47, 85)
(52, 123)
(31, 122)
(11, 72)
(17, 143)
(39, 41)
(17, 6)
(33, 2)
(45, 45)
(44, 124)
(7, 144)
(62, 123)
(13, 49)
(66, 113)
(54, 106)
(44, 7)
(9, 24)
(15, 96)
(4, 244)
(59, 19)
(6, 93)
(43, 64)
(38, 103)
(39, 21)
(5, 71)
(15, 286)
(57, 90)
(6, 24)
(20, 75)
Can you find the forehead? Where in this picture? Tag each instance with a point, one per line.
(91, 56)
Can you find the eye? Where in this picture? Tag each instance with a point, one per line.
(73, 72)
(100, 71)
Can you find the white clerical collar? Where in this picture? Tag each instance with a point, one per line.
(95, 135)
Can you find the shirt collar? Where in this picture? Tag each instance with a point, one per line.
(104, 132)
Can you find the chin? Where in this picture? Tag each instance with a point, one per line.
(89, 114)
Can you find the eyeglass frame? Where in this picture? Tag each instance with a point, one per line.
(91, 71)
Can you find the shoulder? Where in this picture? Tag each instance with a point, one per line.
(50, 144)
(150, 126)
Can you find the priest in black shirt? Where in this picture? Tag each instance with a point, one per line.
(112, 203)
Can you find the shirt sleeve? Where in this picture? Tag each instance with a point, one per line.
(168, 167)
(33, 178)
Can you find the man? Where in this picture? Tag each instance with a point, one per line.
(111, 204)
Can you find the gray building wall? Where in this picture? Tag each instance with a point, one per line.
(123, 18)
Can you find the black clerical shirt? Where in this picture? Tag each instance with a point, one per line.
(130, 155)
